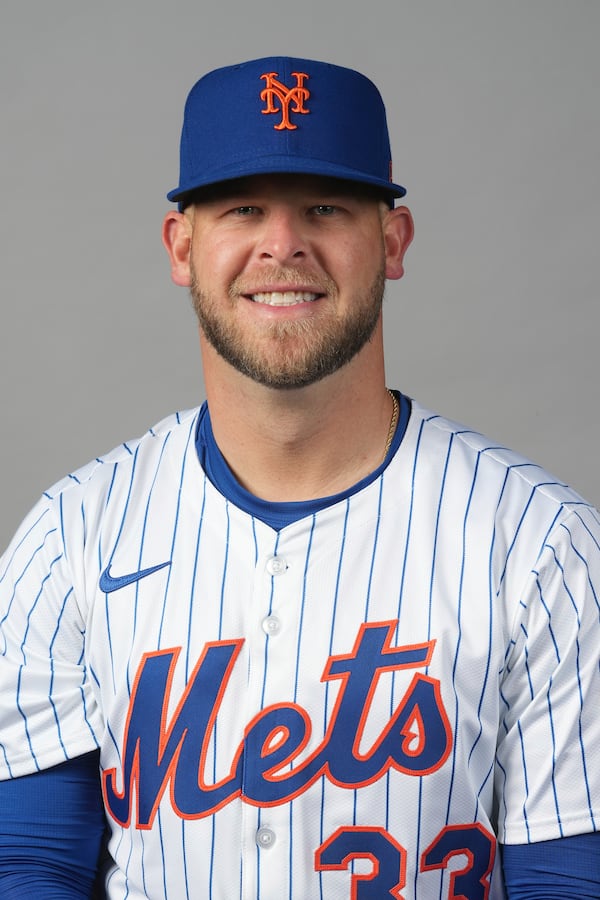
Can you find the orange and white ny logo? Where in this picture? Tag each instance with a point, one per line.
(291, 100)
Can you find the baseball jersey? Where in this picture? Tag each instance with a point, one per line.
(357, 705)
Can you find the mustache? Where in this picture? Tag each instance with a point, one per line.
(279, 276)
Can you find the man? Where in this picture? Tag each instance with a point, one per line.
(311, 640)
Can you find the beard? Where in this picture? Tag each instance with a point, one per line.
(292, 353)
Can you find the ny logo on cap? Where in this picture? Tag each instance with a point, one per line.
(291, 100)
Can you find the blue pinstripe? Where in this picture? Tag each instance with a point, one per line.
(552, 730)
(303, 604)
(52, 666)
(525, 816)
(549, 614)
(20, 676)
(335, 601)
(581, 701)
(189, 444)
(460, 635)
(419, 817)
(141, 550)
(194, 577)
(584, 563)
(106, 607)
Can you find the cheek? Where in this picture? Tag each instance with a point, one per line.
(214, 263)
(362, 261)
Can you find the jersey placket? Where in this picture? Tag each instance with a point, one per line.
(271, 643)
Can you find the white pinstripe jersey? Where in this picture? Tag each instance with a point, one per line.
(353, 706)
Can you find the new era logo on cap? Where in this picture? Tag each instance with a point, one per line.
(284, 115)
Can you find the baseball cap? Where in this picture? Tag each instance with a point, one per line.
(284, 115)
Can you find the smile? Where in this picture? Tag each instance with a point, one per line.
(284, 298)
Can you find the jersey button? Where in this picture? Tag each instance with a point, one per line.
(265, 838)
(276, 565)
(271, 625)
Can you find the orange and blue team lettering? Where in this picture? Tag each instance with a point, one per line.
(388, 875)
(277, 91)
(416, 741)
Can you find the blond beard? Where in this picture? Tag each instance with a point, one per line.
(302, 350)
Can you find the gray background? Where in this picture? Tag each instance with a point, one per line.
(495, 123)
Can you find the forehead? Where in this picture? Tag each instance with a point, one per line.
(298, 186)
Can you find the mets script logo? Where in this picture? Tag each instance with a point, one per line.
(281, 99)
(270, 766)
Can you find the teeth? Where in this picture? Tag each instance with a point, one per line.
(287, 298)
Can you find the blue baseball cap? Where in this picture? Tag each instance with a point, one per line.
(284, 115)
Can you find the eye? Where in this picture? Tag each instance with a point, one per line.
(324, 209)
(245, 210)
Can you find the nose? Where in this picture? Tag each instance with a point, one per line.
(283, 239)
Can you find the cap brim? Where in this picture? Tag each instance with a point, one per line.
(283, 165)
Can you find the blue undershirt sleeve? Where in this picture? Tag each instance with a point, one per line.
(51, 831)
(564, 869)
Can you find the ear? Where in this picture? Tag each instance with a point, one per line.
(177, 238)
(398, 230)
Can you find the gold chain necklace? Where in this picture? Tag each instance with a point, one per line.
(393, 423)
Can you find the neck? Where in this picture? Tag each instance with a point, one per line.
(300, 444)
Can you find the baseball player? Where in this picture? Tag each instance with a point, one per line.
(309, 640)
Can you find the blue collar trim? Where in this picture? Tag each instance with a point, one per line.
(278, 515)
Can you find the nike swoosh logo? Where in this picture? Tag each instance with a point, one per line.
(109, 584)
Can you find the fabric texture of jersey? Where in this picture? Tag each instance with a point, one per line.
(370, 694)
